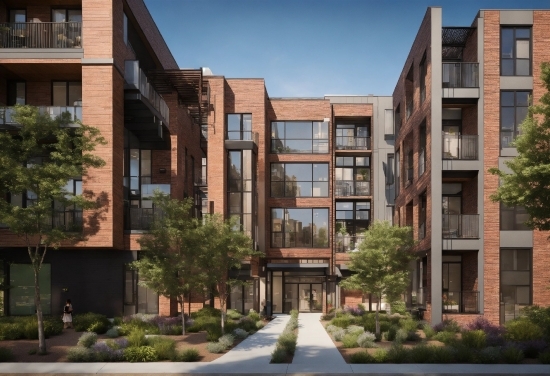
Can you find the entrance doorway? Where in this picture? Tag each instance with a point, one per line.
(304, 297)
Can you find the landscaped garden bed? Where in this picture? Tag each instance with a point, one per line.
(286, 343)
(405, 340)
(133, 338)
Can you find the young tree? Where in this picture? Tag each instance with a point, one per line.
(38, 158)
(224, 249)
(529, 183)
(170, 260)
(381, 264)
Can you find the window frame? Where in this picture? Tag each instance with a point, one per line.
(423, 70)
(514, 50)
(67, 85)
(515, 131)
(514, 211)
(241, 131)
(283, 231)
(312, 181)
(355, 212)
(312, 139)
(355, 172)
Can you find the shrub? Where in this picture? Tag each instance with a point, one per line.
(494, 333)
(532, 349)
(207, 311)
(447, 338)
(442, 355)
(87, 339)
(11, 331)
(488, 355)
(80, 354)
(380, 356)
(522, 330)
(362, 357)
(215, 347)
(279, 355)
(188, 355)
(136, 338)
(6, 354)
(254, 315)
(91, 322)
(294, 313)
(227, 340)
(292, 324)
(239, 333)
(401, 336)
(539, 316)
(398, 307)
(213, 333)
(233, 314)
(355, 329)
(463, 354)
(512, 355)
(392, 331)
(112, 333)
(544, 357)
(246, 323)
(102, 352)
(409, 325)
(355, 311)
(421, 354)
(342, 322)
(287, 341)
(328, 316)
(475, 339)
(51, 326)
(202, 322)
(259, 324)
(140, 354)
(338, 334)
(413, 336)
(350, 341)
(164, 347)
(366, 340)
(331, 329)
(447, 325)
(397, 354)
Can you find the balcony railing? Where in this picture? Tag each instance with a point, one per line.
(460, 226)
(140, 218)
(460, 147)
(243, 136)
(136, 79)
(352, 143)
(201, 182)
(75, 112)
(352, 188)
(460, 75)
(41, 35)
(347, 243)
(460, 302)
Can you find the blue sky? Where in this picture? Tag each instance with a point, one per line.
(307, 48)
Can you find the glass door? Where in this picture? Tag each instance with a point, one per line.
(451, 137)
(305, 297)
(291, 297)
(316, 297)
(452, 208)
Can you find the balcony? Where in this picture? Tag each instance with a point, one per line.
(242, 140)
(140, 219)
(460, 302)
(68, 220)
(460, 226)
(345, 188)
(75, 113)
(41, 35)
(352, 143)
(462, 147)
(201, 182)
(347, 243)
(460, 80)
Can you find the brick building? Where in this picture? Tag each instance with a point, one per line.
(304, 176)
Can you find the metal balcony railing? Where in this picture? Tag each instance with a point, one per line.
(352, 143)
(460, 302)
(347, 243)
(460, 226)
(41, 35)
(136, 79)
(352, 188)
(200, 182)
(75, 112)
(140, 218)
(460, 75)
(460, 147)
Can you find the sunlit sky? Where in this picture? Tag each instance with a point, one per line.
(307, 48)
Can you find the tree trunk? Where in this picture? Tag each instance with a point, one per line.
(222, 307)
(377, 319)
(41, 336)
(182, 315)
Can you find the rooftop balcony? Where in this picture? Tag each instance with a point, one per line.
(345, 188)
(75, 113)
(460, 80)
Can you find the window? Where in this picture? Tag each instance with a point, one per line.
(299, 228)
(125, 28)
(423, 72)
(397, 119)
(66, 93)
(299, 137)
(354, 216)
(352, 176)
(18, 15)
(239, 127)
(422, 150)
(423, 203)
(69, 217)
(352, 136)
(515, 51)
(240, 188)
(513, 110)
(397, 173)
(409, 93)
(388, 124)
(299, 179)
(513, 218)
(410, 168)
(21, 293)
(515, 282)
(17, 91)
(67, 15)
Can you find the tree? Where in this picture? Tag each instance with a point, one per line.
(381, 264)
(38, 158)
(225, 248)
(170, 260)
(529, 183)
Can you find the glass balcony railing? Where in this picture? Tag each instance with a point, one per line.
(136, 79)
(460, 147)
(347, 243)
(460, 75)
(352, 188)
(75, 112)
(41, 35)
(460, 226)
(352, 143)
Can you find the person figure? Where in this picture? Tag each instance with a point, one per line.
(67, 315)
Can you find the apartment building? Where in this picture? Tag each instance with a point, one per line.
(458, 104)
(105, 63)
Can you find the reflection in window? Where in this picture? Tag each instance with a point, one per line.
(299, 227)
(299, 137)
(352, 176)
(353, 216)
(515, 51)
(240, 189)
(352, 136)
(239, 126)
(513, 110)
(299, 180)
(513, 218)
(515, 282)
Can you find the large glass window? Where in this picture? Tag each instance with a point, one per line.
(353, 216)
(66, 93)
(240, 188)
(423, 71)
(513, 218)
(352, 176)
(22, 289)
(239, 126)
(17, 91)
(299, 180)
(352, 136)
(513, 110)
(299, 137)
(299, 227)
(515, 282)
(515, 51)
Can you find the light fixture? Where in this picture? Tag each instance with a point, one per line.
(162, 170)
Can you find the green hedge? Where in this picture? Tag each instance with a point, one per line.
(26, 327)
